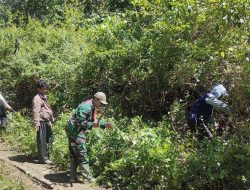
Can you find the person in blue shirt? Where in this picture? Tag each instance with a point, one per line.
(200, 115)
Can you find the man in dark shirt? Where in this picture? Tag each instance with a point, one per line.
(200, 114)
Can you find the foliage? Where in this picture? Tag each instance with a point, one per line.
(6, 183)
(20, 130)
(152, 58)
(59, 150)
(123, 156)
(138, 151)
(135, 56)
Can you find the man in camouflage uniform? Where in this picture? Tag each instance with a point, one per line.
(83, 119)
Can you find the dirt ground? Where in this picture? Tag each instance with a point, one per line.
(33, 175)
(14, 173)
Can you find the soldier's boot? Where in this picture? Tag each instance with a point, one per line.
(86, 173)
(73, 171)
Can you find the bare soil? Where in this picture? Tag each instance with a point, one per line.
(32, 175)
(11, 172)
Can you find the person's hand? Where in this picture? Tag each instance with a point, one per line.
(95, 124)
(216, 124)
(36, 128)
(10, 109)
(108, 126)
(50, 124)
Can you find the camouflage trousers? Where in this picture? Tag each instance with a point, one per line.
(78, 154)
(77, 148)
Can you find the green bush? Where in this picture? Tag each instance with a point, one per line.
(147, 155)
(20, 130)
(152, 59)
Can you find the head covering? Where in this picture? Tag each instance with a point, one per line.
(102, 97)
(219, 90)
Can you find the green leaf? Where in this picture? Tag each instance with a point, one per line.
(222, 54)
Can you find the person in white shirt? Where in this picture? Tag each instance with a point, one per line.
(3, 107)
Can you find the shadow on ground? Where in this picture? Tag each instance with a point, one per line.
(57, 177)
(23, 158)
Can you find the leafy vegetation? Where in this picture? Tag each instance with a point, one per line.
(152, 58)
(137, 154)
(6, 183)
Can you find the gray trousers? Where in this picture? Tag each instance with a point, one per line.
(3, 117)
(44, 140)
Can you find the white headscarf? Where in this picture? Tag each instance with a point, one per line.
(219, 90)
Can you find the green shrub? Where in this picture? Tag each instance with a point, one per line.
(152, 58)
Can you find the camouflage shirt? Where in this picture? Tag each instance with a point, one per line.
(82, 119)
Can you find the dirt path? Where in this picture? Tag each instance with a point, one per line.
(19, 177)
(37, 176)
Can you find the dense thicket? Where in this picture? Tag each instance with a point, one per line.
(145, 57)
(152, 58)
